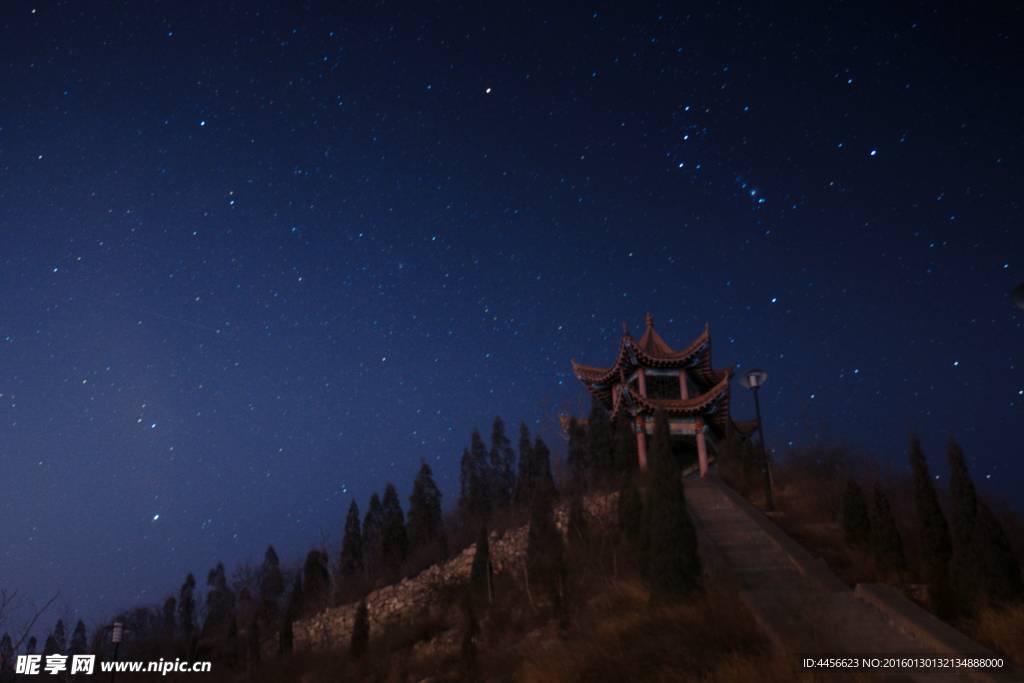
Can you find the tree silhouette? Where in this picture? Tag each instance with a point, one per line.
(1000, 576)
(526, 478)
(79, 644)
(577, 457)
(885, 538)
(286, 637)
(856, 522)
(360, 631)
(475, 477)
(673, 568)
(424, 525)
(56, 642)
(545, 550)
(6, 659)
(600, 445)
(964, 505)
(352, 543)
(983, 566)
(187, 605)
(544, 483)
(373, 527)
(394, 539)
(220, 602)
(502, 466)
(480, 571)
(932, 529)
(316, 581)
(627, 458)
(170, 622)
(631, 507)
(271, 584)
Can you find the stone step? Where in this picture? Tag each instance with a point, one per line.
(804, 608)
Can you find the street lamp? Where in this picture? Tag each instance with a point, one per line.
(116, 635)
(753, 379)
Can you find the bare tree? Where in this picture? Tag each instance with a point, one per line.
(27, 612)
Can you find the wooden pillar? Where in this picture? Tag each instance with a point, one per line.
(641, 435)
(684, 391)
(641, 442)
(702, 447)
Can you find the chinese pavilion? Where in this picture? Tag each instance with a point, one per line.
(648, 375)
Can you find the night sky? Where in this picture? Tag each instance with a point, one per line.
(261, 258)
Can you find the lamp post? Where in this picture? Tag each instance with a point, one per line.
(116, 635)
(753, 379)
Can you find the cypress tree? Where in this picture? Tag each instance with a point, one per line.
(600, 444)
(351, 559)
(963, 565)
(425, 521)
(220, 601)
(885, 538)
(465, 482)
(856, 523)
(577, 531)
(983, 566)
(999, 576)
(50, 646)
(545, 550)
(60, 636)
(631, 507)
(961, 488)
(316, 580)
(526, 479)
(170, 623)
(79, 643)
(544, 482)
(577, 457)
(932, 529)
(271, 584)
(187, 605)
(253, 641)
(394, 547)
(373, 527)
(673, 567)
(286, 637)
(476, 477)
(543, 540)
(502, 466)
(480, 571)
(360, 631)
(55, 642)
(470, 650)
(627, 459)
(6, 659)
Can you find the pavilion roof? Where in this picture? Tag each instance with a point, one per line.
(652, 352)
(608, 386)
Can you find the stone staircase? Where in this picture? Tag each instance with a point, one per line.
(807, 611)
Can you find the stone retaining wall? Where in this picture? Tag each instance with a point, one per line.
(404, 601)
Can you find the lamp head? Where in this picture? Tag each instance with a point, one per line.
(752, 379)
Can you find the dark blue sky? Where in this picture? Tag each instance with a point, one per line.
(260, 259)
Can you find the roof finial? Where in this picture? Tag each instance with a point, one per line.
(625, 330)
(650, 320)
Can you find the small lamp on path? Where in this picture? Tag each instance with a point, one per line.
(753, 379)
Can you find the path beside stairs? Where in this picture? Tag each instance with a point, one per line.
(805, 609)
